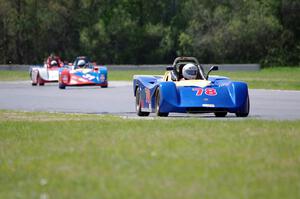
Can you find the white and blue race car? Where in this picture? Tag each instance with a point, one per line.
(83, 73)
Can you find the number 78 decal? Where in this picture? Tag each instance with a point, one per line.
(207, 91)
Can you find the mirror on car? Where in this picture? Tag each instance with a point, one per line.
(170, 68)
(213, 68)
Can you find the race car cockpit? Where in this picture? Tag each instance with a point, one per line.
(82, 62)
(186, 66)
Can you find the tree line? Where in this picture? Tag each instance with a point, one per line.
(148, 32)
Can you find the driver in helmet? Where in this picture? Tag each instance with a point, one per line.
(52, 59)
(81, 63)
(53, 63)
(189, 72)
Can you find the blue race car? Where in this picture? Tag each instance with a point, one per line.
(185, 88)
(82, 73)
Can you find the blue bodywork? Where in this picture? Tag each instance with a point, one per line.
(92, 76)
(86, 74)
(228, 96)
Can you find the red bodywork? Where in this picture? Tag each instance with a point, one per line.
(57, 59)
(68, 78)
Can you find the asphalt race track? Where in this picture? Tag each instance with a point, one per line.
(118, 99)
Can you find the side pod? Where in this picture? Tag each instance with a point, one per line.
(241, 97)
(168, 96)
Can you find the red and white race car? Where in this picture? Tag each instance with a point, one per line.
(47, 73)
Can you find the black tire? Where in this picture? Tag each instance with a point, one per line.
(33, 84)
(104, 86)
(220, 114)
(61, 86)
(246, 113)
(139, 111)
(157, 105)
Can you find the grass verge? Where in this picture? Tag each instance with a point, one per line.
(285, 78)
(46, 155)
(7, 75)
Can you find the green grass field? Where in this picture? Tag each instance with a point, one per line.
(13, 75)
(287, 78)
(45, 155)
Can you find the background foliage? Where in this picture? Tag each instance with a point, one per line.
(144, 32)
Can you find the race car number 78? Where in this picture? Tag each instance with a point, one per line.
(207, 91)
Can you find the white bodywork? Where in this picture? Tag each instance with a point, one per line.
(44, 73)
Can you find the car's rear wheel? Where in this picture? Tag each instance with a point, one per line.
(157, 105)
(220, 114)
(104, 86)
(61, 86)
(245, 113)
(138, 104)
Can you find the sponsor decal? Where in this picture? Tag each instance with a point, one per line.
(148, 96)
(102, 77)
(53, 75)
(88, 77)
(142, 104)
(225, 84)
(85, 71)
(65, 79)
(145, 98)
(208, 105)
(210, 91)
(199, 91)
(207, 91)
(146, 109)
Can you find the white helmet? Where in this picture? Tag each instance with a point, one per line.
(189, 71)
(53, 63)
(81, 63)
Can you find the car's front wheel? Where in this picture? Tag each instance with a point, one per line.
(157, 105)
(246, 112)
(61, 86)
(138, 104)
